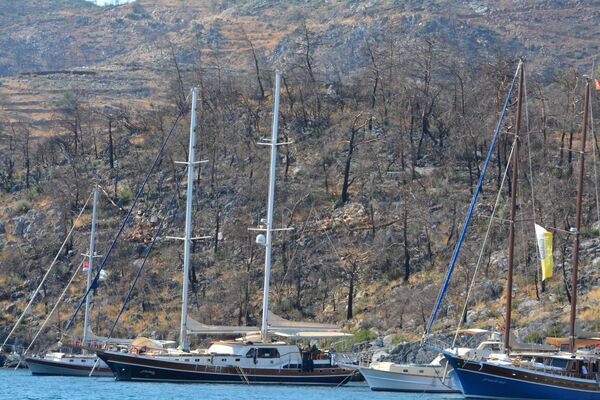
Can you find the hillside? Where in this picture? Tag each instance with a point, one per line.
(389, 106)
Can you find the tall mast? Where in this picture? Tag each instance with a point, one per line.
(183, 343)
(572, 338)
(264, 332)
(513, 210)
(88, 299)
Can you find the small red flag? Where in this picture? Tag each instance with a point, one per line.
(597, 84)
(86, 265)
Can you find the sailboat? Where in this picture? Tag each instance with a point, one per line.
(557, 376)
(255, 359)
(59, 363)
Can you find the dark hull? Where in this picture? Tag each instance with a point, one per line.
(129, 367)
(39, 366)
(481, 380)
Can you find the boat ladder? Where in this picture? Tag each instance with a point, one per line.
(242, 374)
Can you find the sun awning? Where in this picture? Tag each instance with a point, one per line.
(197, 328)
(277, 326)
(277, 323)
(314, 335)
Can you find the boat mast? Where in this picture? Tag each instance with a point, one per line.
(88, 299)
(513, 209)
(572, 338)
(264, 332)
(183, 343)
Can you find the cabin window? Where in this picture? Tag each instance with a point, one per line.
(187, 360)
(237, 360)
(559, 362)
(71, 360)
(251, 353)
(197, 359)
(268, 353)
(404, 370)
(82, 361)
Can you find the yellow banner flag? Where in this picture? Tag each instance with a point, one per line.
(544, 243)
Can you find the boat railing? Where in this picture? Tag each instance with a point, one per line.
(546, 369)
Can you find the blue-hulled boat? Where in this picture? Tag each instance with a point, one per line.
(543, 377)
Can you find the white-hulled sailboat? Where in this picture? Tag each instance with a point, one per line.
(246, 361)
(59, 363)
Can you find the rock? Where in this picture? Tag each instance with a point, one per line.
(54, 213)
(20, 227)
(472, 316)
(2, 228)
(380, 355)
(387, 340)
(529, 304)
(58, 227)
(154, 219)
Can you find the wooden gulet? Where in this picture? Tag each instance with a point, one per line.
(231, 362)
(557, 376)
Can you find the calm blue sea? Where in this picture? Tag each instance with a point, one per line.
(20, 385)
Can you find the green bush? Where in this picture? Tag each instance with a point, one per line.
(534, 337)
(126, 194)
(554, 331)
(22, 206)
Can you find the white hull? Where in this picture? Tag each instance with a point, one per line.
(67, 366)
(419, 379)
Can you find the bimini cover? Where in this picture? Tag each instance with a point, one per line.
(148, 343)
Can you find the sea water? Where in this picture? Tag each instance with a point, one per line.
(21, 385)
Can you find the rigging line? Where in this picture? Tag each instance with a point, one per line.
(461, 239)
(291, 261)
(62, 295)
(141, 268)
(537, 258)
(485, 239)
(531, 184)
(129, 212)
(109, 198)
(147, 288)
(47, 273)
(594, 151)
